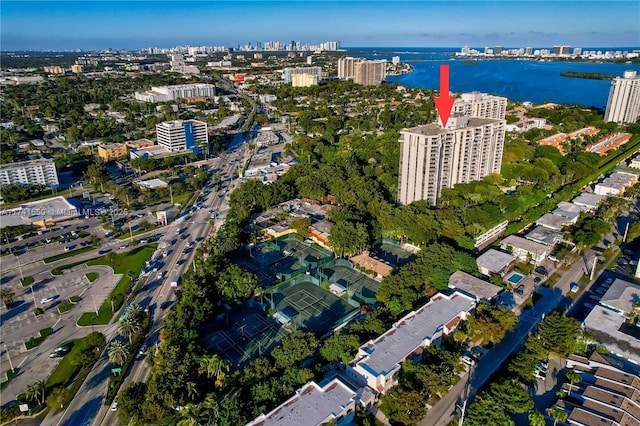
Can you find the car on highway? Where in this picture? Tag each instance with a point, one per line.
(114, 406)
(588, 305)
(143, 350)
(104, 251)
(48, 299)
(60, 352)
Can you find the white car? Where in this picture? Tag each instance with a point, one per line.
(467, 360)
(48, 299)
(114, 406)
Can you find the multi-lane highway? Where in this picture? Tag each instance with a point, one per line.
(170, 259)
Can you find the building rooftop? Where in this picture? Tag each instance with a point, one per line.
(619, 180)
(621, 296)
(473, 286)
(494, 260)
(571, 215)
(54, 209)
(114, 145)
(21, 164)
(524, 244)
(323, 226)
(609, 329)
(311, 406)
(553, 221)
(543, 235)
(435, 129)
(365, 260)
(588, 199)
(391, 348)
(152, 184)
(569, 207)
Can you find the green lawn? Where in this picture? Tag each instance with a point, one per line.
(129, 263)
(66, 369)
(35, 341)
(26, 281)
(65, 307)
(91, 276)
(69, 254)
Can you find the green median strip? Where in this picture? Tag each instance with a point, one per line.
(68, 254)
(36, 341)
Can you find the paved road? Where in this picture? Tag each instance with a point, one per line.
(442, 412)
(87, 407)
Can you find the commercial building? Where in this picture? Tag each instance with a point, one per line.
(432, 158)
(288, 73)
(378, 362)
(525, 250)
(615, 184)
(495, 262)
(112, 151)
(304, 80)
(180, 135)
(36, 172)
(362, 71)
(481, 105)
(266, 137)
(313, 405)
(41, 213)
(623, 105)
(170, 93)
(608, 321)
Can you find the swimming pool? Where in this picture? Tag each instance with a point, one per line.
(515, 278)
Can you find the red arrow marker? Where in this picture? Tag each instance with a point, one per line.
(444, 103)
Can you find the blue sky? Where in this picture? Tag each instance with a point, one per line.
(94, 24)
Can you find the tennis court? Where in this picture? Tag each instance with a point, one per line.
(391, 254)
(242, 334)
(354, 280)
(311, 306)
(302, 251)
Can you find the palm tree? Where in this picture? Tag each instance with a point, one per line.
(192, 390)
(112, 298)
(574, 377)
(536, 418)
(118, 352)
(7, 295)
(128, 326)
(35, 391)
(558, 414)
(214, 366)
(135, 311)
(193, 415)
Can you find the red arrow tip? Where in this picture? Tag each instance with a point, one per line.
(444, 104)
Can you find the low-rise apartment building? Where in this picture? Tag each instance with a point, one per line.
(615, 184)
(35, 172)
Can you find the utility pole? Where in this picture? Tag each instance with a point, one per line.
(20, 268)
(171, 194)
(94, 304)
(593, 268)
(130, 233)
(9, 357)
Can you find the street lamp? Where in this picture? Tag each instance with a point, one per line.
(9, 357)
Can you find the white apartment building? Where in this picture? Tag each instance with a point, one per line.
(624, 99)
(179, 135)
(481, 105)
(42, 172)
(170, 93)
(378, 362)
(288, 73)
(362, 71)
(432, 158)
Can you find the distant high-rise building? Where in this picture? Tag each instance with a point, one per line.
(288, 73)
(624, 99)
(432, 158)
(179, 135)
(76, 69)
(362, 71)
(395, 60)
(577, 51)
(481, 105)
(170, 93)
(36, 172)
(304, 80)
(497, 50)
(488, 51)
(465, 50)
(528, 50)
(561, 50)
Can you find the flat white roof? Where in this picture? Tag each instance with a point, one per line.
(588, 199)
(391, 348)
(621, 295)
(553, 221)
(311, 405)
(607, 327)
(526, 245)
(494, 260)
(472, 285)
(55, 209)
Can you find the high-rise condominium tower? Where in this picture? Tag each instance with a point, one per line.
(624, 99)
(468, 149)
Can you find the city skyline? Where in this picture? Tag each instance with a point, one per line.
(52, 25)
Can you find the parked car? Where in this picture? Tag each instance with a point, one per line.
(48, 299)
(143, 350)
(467, 360)
(520, 289)
(114, 406)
